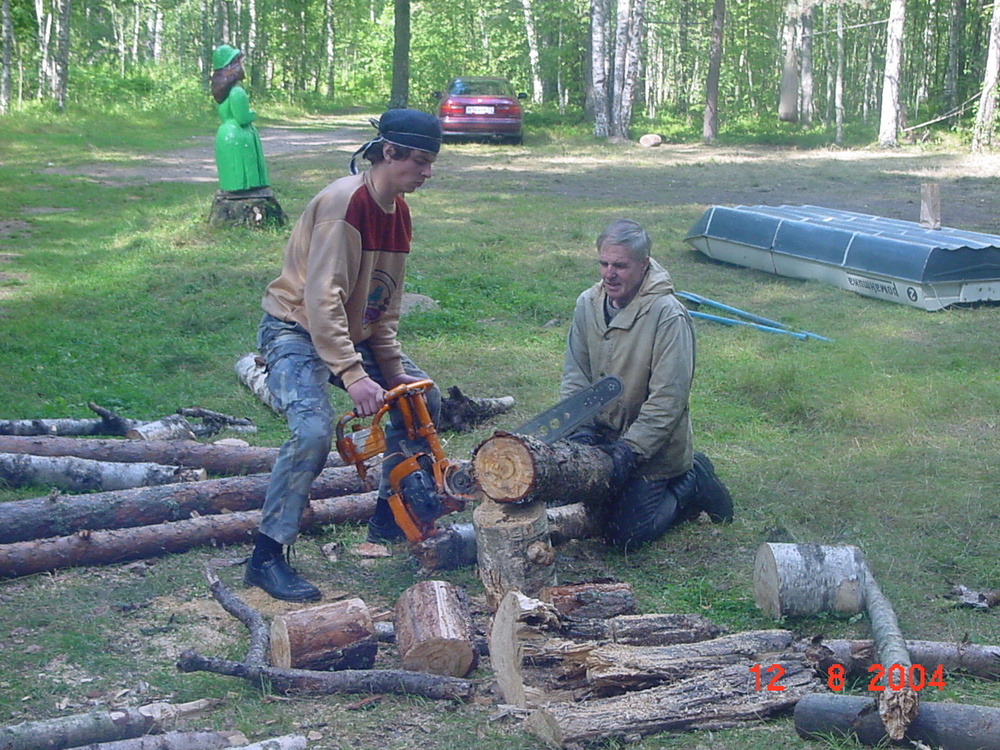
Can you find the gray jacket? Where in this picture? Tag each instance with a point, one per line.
(650, 345)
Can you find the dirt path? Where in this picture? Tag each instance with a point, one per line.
(884, 183)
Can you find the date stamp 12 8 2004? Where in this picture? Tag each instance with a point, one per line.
(897, 677)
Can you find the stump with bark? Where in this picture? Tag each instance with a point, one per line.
(340, 635)
(256, 208)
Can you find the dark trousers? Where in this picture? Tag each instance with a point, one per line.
(299, 381)
(646, 508)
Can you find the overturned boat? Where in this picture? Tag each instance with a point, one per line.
(894, 260)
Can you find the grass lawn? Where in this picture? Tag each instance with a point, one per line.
(116, 291)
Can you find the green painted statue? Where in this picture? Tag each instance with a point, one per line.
(238, 153)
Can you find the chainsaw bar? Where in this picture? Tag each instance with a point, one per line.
(559, 421)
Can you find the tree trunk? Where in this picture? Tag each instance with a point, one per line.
(434, 629)
(329, 637)
(520, 468)
(591, 600)
(954, 726)
(982, 130)
(713, 700)
(956, 25)
(599, 71)
(313, 682)
(630, 68)
(805, 44)
(61, 60)
(512, 549)
(839, 83)
(99, 726)
(6, 43)
(107, 547)
(400, 55)
(215, 458)
(534, 65)
(710, 126)
(84, 475)
(177, 741)
(794, 580)
(788, 101)
(889, 123)
(40, 518)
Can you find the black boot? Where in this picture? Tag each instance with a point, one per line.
(382, 526)
(711, 495)
(268, 569)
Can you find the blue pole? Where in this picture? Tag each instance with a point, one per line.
(767, 323)
(758, 326)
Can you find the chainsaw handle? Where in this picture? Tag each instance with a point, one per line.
(353, 454)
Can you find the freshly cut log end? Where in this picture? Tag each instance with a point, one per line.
(504, 468)
(339, 635)
(434, 629)
(794, 580)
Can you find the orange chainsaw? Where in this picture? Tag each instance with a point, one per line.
(425, 484)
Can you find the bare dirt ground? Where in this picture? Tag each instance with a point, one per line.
(883, 183)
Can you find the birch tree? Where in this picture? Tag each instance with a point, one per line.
(890, 113)
(534, 61)
(710, 125)
(6, 43)
(982, 131)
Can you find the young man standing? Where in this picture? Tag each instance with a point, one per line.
(631, 324)
(331, 317)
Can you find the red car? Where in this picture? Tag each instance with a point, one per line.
(481, 107)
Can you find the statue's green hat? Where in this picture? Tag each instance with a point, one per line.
(223, 55)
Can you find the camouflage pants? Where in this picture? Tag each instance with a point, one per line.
(299, 381)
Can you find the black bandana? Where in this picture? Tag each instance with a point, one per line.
(409, 128)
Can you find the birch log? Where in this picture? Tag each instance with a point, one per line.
(176, 741)
(121, 545)
(793, 580)
(519, 468)
(72, 474)
(434, 629)
(45, 517)
(250, 370)
(99, 726)
(512, 549)
(339, 635)
(170, 427)
(857, 657)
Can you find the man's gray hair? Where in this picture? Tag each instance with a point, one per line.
(628, 233)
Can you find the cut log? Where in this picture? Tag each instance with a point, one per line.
(519, 468)
(434, 629)
(339, 635)
(455, 546)
(72, 474)
(120, 545)
(857, 657)
(175, 741)
(512, 549)
(596, 599)
(642, 630)
(252, 373)
(314, 682)
(896, 707)
(215, 458)
(285, 742)
(792, 580)
(256, 208)
(461, 413)
(952, 726)
(713, 700)
(99, 726)
(45, 517)
(170, 427)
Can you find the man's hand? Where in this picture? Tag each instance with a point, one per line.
(401, 379)
(624, 462)
(367, 395)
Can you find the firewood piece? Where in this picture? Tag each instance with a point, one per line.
(173, 741)
(572, 521)
(515, 614)
(99, 726)
(791, 580)
(252, 373)
(612, 669)
(63, 427)
(285, 742)
(461, 413)
(434, 629)
(72, 474)
(216, 459)
(596, 599)
(313, 682)
(642, 630)
(339, 635)
(251, 618)
(954, 726)
(896, 707)
(714, 699)
(512, 549)
(521, 468)
(120, 545)
(857, 657)
(44, 517)
(170, 427)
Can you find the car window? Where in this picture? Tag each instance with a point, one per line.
(481, 88)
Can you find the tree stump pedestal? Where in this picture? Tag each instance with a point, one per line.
(255, 208)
